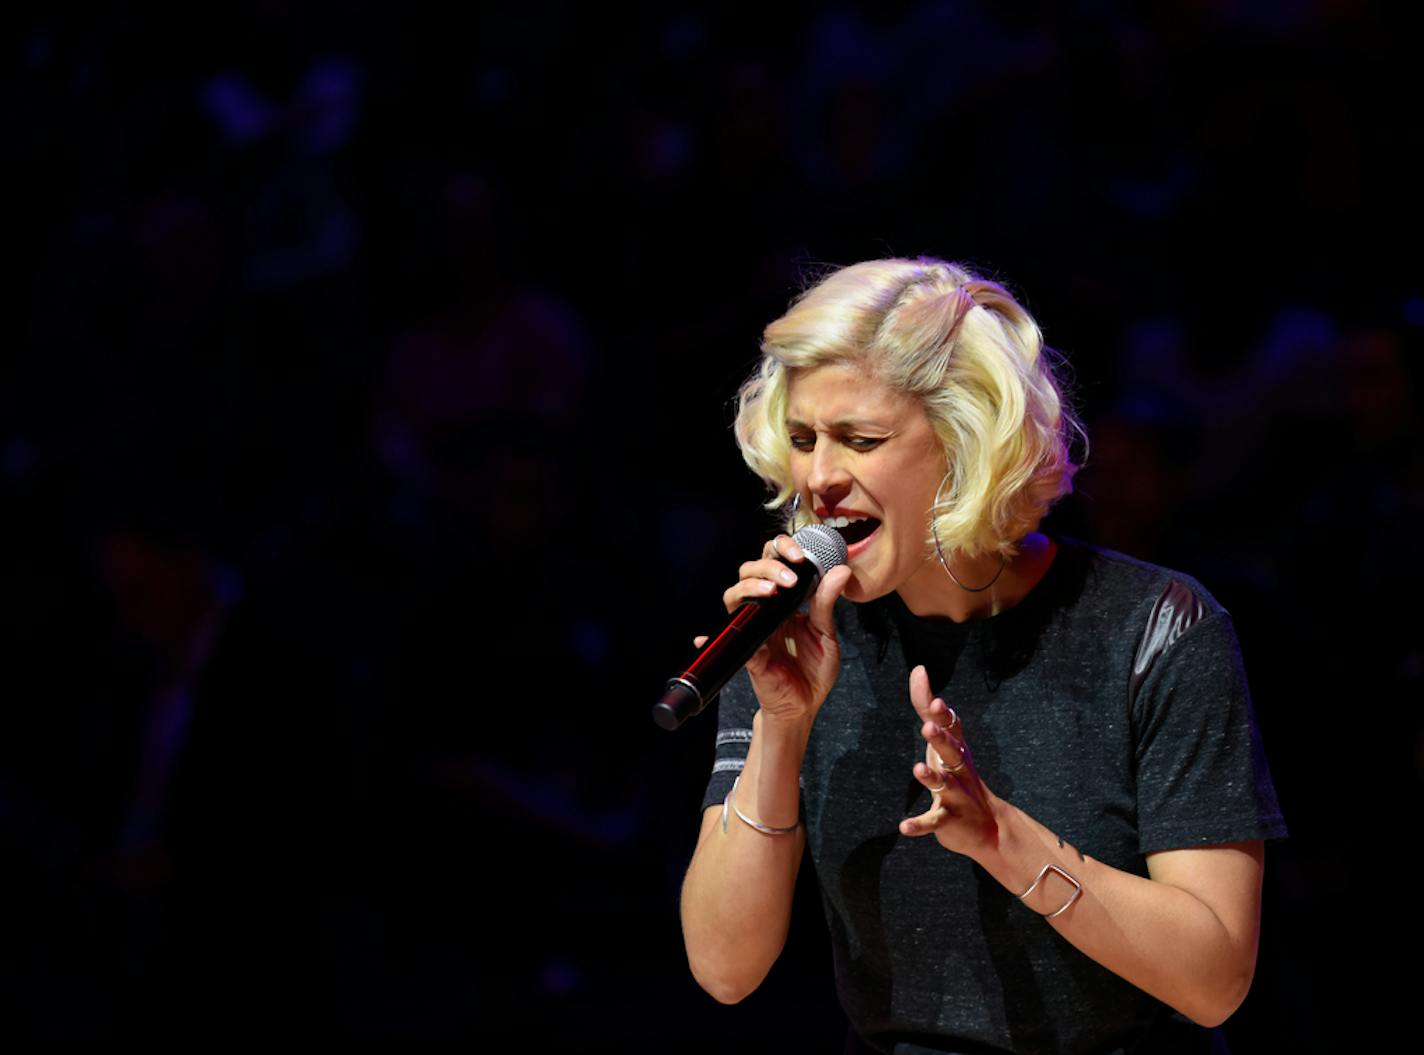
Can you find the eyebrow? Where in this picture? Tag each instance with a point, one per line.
(843, 425)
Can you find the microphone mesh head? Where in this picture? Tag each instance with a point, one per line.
(824, 547)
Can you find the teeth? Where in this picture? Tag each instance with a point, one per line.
(840, 522)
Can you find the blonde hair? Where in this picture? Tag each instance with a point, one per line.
(971, 355)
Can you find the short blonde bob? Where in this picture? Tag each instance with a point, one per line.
(970, 354)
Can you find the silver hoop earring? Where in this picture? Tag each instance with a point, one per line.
(794, 511)
(939, 551)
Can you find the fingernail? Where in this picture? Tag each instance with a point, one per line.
(795, 552)
(788, 577)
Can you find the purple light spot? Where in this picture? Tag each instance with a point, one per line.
(240, 114)
(561, 977)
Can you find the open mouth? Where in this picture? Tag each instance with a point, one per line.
(853, 529)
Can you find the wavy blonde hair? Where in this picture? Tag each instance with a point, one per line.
(971, 355)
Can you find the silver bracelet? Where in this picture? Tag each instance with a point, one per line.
(765, 829)
(1050, 867)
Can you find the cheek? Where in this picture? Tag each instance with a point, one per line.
(912, 525)
(910, 542)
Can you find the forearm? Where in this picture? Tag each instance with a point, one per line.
(1166, 940)
(736, 899)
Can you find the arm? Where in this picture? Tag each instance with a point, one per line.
(1187, 935)
(736, 899)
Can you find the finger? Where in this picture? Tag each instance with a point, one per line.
(943, 714)
(699, 640)
(924, 823)
(920, 692)
(952, 753)
(783, 547)
(757, 580)
(772, 572)
(823, 601)
(746, 590)
(937, 736)
(766, 569)
(934, 781)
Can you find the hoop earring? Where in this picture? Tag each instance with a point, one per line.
(794, 512)
(939, 551)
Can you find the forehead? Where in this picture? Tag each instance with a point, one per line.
(838, 393)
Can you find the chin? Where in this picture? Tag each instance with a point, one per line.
(861, 592)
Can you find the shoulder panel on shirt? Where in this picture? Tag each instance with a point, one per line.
(1175, 611)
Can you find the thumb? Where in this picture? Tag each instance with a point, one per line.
(823, 601)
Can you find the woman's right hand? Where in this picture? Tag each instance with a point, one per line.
(794, 671)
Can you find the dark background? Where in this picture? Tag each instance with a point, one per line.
(366, 467)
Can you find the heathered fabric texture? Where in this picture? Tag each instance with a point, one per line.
(931, 953)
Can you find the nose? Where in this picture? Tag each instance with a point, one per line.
(829, 480)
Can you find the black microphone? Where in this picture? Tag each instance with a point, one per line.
(752, 623)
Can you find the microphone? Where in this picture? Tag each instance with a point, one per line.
(751, 624)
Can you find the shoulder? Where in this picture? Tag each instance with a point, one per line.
(1147, 608)
(1131, 595)
(1116, 577)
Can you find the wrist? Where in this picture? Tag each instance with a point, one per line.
(782, 731)
(998, 851)
(1026, 861)
(770, 789)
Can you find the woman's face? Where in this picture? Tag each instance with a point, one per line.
(865, 460)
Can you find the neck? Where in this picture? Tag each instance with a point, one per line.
(933, 593)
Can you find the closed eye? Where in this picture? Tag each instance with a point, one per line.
(807, 441)
(864, 443)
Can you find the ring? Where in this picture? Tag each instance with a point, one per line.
(953, 718)
(936, 791)
(951, 770)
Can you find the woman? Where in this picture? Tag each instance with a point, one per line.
(1056, 843)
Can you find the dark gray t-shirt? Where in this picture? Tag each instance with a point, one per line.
(1111, 705)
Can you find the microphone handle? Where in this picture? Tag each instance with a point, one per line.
(719, 659)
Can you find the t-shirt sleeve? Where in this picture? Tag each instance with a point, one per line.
(736, 706)
(1202, 777)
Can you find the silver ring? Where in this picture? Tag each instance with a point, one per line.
(951, 770)
(936, 791)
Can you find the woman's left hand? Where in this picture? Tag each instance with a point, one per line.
(963, 812)
(1186, 933)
